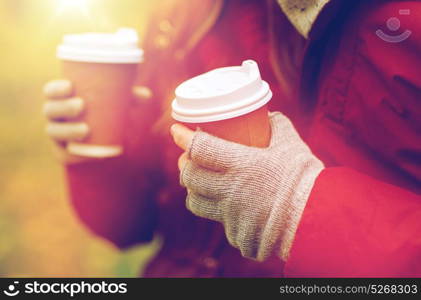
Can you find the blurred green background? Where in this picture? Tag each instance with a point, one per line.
(39, 233)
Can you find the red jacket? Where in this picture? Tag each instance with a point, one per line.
(352, 96)
(363, 217)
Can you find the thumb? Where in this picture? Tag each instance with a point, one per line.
(182, 136)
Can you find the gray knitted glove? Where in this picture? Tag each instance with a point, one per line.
(257, 194)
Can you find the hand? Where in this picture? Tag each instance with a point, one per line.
(61, 110)
(257, 194)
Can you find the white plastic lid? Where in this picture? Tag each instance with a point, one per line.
(120, 47)
(221, 94)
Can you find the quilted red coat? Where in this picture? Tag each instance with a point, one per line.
(354, 98)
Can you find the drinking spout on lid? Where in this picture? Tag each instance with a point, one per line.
(251, 67)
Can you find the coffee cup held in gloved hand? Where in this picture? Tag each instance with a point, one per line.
(102, 68)
(230, 103)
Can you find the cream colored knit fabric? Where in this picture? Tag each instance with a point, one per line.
(258, 194)
(302, 13)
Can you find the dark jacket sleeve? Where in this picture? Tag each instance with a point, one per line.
(116, 198)
(113, 201)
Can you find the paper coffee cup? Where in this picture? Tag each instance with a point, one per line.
(229, 102)
(102, 68)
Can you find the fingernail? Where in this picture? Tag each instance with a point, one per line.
(83, 128)
(142, 92)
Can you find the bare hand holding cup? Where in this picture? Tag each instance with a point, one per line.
(89, 120)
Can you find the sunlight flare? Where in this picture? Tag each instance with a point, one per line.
(67, 5)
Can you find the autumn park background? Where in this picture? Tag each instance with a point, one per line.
(39, 233)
